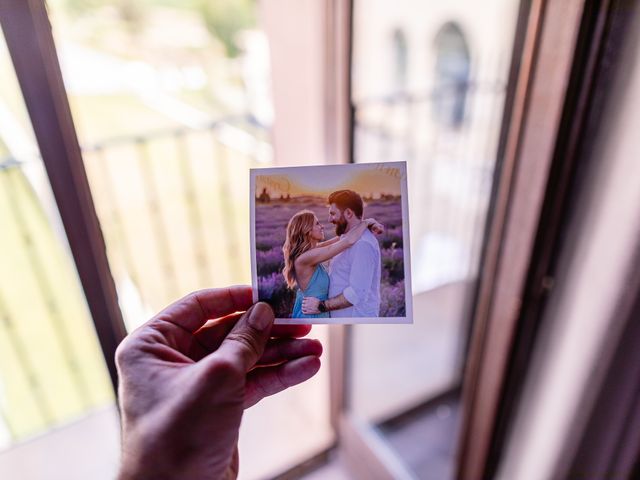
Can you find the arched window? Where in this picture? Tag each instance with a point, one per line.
(451, 75)
(400, 61)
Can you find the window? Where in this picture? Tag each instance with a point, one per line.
(400, 59)
(403, 387)
(452, 71)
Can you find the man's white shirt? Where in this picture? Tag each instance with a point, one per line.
(356, 274)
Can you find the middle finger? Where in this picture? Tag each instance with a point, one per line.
(211, 335)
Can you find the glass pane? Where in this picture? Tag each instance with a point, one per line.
(171, 102)
(164, 101)
(444, 122)
(51, 367)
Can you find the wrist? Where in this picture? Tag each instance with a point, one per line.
(322, 306)
(133, 467)
(142, 459)
(133, 463)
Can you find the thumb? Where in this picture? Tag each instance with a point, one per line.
(245, 343)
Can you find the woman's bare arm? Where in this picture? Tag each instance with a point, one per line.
(328, 242)
(320, 254)
(373, 225)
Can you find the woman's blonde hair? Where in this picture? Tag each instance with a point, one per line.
(298, 241)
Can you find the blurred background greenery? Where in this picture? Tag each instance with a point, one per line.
(164, 100)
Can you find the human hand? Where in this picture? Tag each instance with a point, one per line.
(185, 381)
(310, 305)
(375, 226)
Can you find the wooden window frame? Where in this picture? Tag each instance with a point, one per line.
(556, 55)
(606, 443)
(29, 38)
(544, 119)
(365, 452)
(604, 439)
(561, 61)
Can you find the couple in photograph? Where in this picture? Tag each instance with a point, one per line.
(351, 287)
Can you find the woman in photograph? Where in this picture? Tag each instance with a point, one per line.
(305, 251)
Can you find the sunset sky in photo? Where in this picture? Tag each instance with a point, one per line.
(367, 180)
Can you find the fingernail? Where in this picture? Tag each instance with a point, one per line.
(261, 316)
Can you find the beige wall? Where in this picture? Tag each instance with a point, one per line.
(488, 27)
(298, 43)
(295, 30)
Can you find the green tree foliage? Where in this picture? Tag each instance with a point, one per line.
(130, 11)
(82, 6)
(225, 18)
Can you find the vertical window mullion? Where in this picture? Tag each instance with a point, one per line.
(30, 42)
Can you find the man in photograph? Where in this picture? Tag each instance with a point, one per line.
(354, 278)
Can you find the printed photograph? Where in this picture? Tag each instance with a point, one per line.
(330, 244)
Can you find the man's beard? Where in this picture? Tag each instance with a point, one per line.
(341, 226)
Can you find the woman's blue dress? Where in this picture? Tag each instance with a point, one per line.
(318, 287)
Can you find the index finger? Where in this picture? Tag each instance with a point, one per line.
(193, 311)
(211, 335)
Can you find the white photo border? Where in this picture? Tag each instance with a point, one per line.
(408, 296)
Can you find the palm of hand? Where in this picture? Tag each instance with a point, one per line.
(184, 384)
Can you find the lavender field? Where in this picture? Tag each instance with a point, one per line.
(271, 222)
